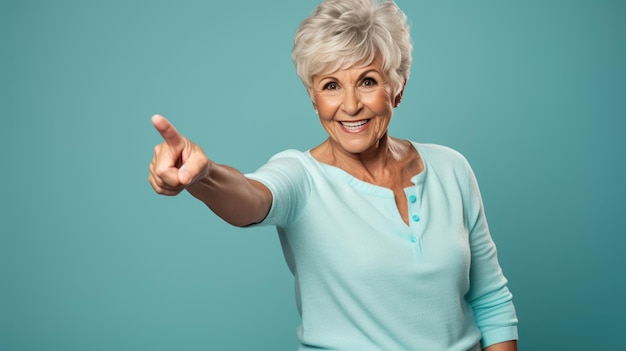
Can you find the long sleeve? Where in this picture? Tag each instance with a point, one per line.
(489, 295)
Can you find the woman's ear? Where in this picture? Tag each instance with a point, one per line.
(398, 98)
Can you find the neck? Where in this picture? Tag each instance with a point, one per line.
(372, 163)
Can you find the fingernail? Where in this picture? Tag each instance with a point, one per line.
(183, 177)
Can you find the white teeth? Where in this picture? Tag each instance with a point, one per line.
(353, 125)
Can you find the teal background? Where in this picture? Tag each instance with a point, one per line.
(533, 93)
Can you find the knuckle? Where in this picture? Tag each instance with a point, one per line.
(160, 171)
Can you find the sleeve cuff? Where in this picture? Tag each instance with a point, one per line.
(499, 335)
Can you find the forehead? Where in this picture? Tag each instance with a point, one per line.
(356, 68)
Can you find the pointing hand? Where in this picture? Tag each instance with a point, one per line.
(177, 161)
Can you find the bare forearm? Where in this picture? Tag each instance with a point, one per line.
(180, 164)
(503, 346)
(233, 197)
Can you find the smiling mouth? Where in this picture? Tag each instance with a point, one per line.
(354, 126)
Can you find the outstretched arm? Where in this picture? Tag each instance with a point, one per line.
(180, 164)
(503, 346)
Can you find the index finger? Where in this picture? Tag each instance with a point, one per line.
(171, 136)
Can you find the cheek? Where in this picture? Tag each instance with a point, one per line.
(326, 108)
(380, 103)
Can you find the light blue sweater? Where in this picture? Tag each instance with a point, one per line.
(365, 280)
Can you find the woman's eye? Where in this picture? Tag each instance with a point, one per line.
(369, 82)
(330, 86)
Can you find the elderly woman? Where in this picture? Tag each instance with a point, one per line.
(386, 238)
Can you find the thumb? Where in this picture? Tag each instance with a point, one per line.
(195, 167)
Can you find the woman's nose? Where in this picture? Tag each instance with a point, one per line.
(351, 103)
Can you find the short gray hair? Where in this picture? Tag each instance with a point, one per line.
(342, 33)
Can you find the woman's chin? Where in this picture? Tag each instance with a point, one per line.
(358, 146)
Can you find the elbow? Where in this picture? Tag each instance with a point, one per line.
(245, 217)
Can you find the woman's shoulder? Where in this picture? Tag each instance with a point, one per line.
(294, 156)
(442, 159)
(289, 153)
(290, 159)
(439, 152)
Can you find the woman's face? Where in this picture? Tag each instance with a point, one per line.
(355, 106)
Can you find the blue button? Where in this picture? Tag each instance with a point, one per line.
(416, 218)
(412, 198)
(413, 239)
